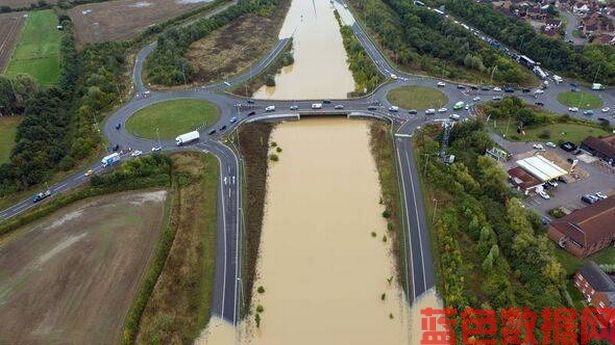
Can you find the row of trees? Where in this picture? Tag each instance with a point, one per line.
(588, 62)
(167, 65)
(420, 38)
(493, 253)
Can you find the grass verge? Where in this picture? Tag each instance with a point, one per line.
(179, 306)
(580, 99)
(381, 144)
(172, 118)
(253, 143)
(417, 97)
(556, 132)
(37, 51)
(237, 45)
(8, 128)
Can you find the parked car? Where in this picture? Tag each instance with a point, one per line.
(474, 87)
(136, 153)
(550, 144)
(497, 89)
(326, 101)
(484, 88)
(430, 111)
(441, 84)
(538, 147)
(540, 104)
(573, 109)
(509, 90)
(156, 148)
(461, 87)
(476, 99)
(496, 98)
(115, 147)
(539, 92)
(526, 90)
(552, 184)
(544, 195)
(606, 109)
(442, 110)
(250, 101)
(588, 198)
(339, 106)
(588, 112)
(393, 109)
(568, 146)
(412, 111)
(222, 128)
(601, 195)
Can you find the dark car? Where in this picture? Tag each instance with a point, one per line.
(252, 113)
(222, 128)
(250, 101)
(526, 90)
(509, 90)
(326, 101)
(212, 132)
(568, 146)
(115, 147)
(461, 87)
(474, 87)
(540, 104)
(484, 88)
(574, 85)
(118, 126)
(372, 107)
(590, 199)
(412, 111)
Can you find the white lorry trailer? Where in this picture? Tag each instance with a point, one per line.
(187, 138)
(110, 159)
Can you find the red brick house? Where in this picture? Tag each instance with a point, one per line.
(595, 285)
(587, 230)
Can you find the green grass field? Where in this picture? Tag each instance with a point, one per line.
(559, 131)
(417, 97)
(571, 263)
(172, 118)
(8, 128)
(37, 51)
(582, 100)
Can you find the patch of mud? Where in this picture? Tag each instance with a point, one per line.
(218, 332)
(141, 4)
(142, 198)
(60, 247)
(66, 218)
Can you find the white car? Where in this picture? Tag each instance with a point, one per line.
(393, 76)
(156, 148)
(430, 111)
(573, 109)
(270, 108)
(544, 195)
(606, 109)
(476, 99)
(539, 91)
(497, 89)
(497, 98)
(441, 84)
(293, 107)
(550, 144)
(467, 107)
(538, 147)
(393, 109)
(601, 195)
(442, 110)
(136, 153)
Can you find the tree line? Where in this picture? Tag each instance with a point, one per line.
(167, 64)
(586, 63)
(421, 39)
(492, 252)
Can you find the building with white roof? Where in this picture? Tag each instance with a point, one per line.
(541, 168)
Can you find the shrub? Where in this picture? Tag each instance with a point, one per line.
(274, 157)
(278, 149)
(270, 80)
(261, 289)
(545, 134)
(260, 308)
(386, 214)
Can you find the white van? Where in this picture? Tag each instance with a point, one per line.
(270, 108)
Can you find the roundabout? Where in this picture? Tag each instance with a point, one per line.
(417, 97)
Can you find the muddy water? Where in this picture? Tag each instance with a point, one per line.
(323, 271)
(320, 69)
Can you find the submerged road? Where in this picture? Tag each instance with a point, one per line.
(228, 280)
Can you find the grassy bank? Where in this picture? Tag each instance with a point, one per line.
(573, 132)
(8, 128)
(417, 97)
(237, 45)
(253, 142)
(364, 72)
(179, 306)
(381, 144)
(172, 118)
(37, 51)
(580, 99)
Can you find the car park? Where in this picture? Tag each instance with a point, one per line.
(573, 109)
(497, 89)
(601, 195)
(156, 148)
(136, 153)
(212, 132)
(568, 146)
(393, 109)
(588, 112)
(544, 195)
(550, 144)
(606, 109)
(441, 84)
(442, 110)
(233, 119)
(412, 111)
(339, 106)
(293, 107)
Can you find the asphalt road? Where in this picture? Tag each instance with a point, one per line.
(227, 275)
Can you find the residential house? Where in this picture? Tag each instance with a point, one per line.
(603, 148)
(595, 285)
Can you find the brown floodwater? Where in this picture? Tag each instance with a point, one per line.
(320, 69)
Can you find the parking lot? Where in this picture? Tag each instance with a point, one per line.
(592, 177)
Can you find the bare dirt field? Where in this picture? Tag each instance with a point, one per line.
(122, 19)
(10, 25)
(71, 277)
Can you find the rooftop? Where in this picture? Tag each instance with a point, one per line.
(590, 224)
(541, 168)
